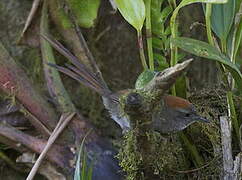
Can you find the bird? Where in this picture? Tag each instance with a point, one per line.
(170, 113)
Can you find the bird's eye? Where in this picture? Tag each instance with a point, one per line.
(187, 114)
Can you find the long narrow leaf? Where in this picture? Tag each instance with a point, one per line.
(77, 175)
(205, 50)
(222, 18)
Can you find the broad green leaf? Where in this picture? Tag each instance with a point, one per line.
(222, 18)
(205, 50)
(85, 11)
(238, 38)
(238, 29)
(144, 78)
(133, 11)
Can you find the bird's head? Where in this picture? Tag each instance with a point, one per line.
(175, 115)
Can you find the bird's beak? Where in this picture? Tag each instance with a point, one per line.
(202, 119)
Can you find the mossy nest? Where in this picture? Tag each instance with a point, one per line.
(169, 157)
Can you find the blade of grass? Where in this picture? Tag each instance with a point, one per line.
(77, 174)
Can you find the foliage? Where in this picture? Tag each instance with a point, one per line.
(205, 50)
(85, 11)
(85, 171)
(133, 11)
(222, 18)
(160, 13)
(144, 78)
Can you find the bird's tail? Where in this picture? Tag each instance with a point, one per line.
(79, 71)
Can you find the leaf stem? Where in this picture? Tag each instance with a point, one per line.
(149, 34)
(174, 51)
(232, 113)
(141, 50)
(208, 23)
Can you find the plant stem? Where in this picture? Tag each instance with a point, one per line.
(198, 161)
(230, 101)
(141, 50)
(232, 113)
(224, 46)
(149, 34)
(208, 23)
(174, 50)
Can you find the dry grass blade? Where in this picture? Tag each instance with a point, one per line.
(31, 15)
(64, 120)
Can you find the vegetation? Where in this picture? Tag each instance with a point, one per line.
(202, 151)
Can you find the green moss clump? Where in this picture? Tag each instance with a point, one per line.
(129, 156)
(164, 155)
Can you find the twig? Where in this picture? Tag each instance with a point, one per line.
(64, 120)
(33, 10)
(237, 167)
(14, 82)
(225, 124)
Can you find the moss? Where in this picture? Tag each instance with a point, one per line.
(166, 158)
(129, 156)
(165, 155)
(211, 104)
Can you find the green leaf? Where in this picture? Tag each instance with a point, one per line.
(205, 50)
(165, 13)
(237, 6)
(144, 78)
(85, 11)
(187, 2)
(157, 3)
(81, 154)
(157, 44)
(238, 38)
(161, 61)
(222, 18)
(133, 11)
(238, 29)
(167, 31)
